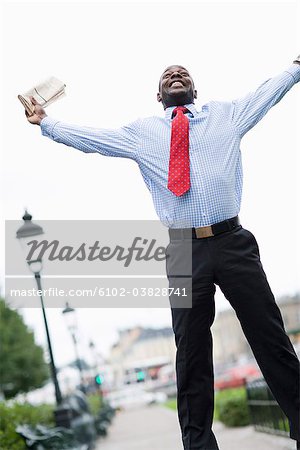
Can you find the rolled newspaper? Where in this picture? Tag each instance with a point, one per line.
(44, 93)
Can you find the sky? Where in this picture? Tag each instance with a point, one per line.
(111, 55)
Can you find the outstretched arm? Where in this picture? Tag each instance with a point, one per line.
(122, 142)
(249, 110)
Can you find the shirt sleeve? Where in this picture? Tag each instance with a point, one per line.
(122, 142)
(249, 110)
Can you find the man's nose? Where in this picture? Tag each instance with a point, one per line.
(176, 74)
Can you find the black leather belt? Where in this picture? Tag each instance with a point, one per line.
(203, 232)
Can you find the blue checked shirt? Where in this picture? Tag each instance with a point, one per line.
(215, 157)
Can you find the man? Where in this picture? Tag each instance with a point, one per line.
(191, 163)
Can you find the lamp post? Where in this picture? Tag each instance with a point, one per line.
(94, 353)
(25, 234)
(69, 314)
(96, 375)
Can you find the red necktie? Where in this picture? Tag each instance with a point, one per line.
(179, 164)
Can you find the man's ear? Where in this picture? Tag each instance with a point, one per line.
(195, 93)
(159, 99)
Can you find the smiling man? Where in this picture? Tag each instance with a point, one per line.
(176, 87)
(191, 163)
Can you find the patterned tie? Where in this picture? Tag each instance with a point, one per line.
(179, 164)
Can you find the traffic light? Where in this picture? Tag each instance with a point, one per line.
(99, 379)
(140, 376)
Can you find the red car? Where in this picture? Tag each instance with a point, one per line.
(236, 376)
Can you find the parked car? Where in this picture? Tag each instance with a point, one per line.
(236, 376)
(134, 396)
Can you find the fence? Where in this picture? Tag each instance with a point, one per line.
(266, 414)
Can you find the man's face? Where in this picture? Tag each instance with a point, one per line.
(176, 87)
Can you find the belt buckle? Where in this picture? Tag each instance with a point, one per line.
(203, 232)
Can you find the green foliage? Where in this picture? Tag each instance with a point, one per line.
(172, 403)
(22, 363)
(231, 407)
(227, 394)
(17, 414)
(95, 403)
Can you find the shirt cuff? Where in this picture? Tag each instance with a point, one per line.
(294, 70)
(47, 124)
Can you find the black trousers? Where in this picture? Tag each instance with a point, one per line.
(230, 260)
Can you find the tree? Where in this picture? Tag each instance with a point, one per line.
(22, 365)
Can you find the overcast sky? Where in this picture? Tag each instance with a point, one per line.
(110, 55)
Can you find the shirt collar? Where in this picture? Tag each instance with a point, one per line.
(190, 107)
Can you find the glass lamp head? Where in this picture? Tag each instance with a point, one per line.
(25, 234)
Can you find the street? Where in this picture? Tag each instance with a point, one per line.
(156, 428)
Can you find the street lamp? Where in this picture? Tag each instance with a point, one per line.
(25, 234)
(69, 314)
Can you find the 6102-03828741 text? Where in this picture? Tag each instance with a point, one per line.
(101, 291)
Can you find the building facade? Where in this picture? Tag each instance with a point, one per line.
(230, 344)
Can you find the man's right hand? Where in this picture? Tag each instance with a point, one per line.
(38, 115)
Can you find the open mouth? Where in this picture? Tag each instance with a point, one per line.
(176, 83)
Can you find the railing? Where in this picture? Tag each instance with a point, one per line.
(266, 414)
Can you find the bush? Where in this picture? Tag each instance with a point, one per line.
(95, 403)
(231, 407)
(17, 414)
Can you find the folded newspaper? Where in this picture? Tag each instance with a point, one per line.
(44, 93)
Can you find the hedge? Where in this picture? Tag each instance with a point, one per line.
(17, 414)
(231, 407)
(95, 402)
(14, 414)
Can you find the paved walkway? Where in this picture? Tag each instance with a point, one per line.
(156, 428)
